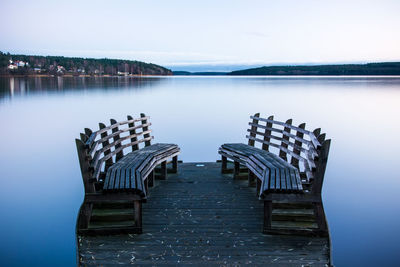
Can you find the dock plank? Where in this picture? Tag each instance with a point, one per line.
(203, 217)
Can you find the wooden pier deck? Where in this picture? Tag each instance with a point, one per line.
(202, 217)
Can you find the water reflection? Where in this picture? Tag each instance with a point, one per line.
(25, 86)
(41, 185)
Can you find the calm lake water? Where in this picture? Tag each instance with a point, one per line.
(41, 188)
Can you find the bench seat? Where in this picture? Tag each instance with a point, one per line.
(118, 164)
(276, 174)
(130, 172)
(286, 164)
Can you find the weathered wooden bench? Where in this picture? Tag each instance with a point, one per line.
(110, 174)
(288, 163)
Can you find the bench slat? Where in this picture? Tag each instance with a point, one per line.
(171, 153)
(281, 131)
(100, 161)
(279, 173)
(105, 136)
(132, 180)
(293, 154)
(292, 176)
(308, 163)
(145, 128)
(285, 140)
(257, 168)
(128, 170)
(109, 183)
(128, 173)
(140, 175)
(138, 178)
(114, 182)
(267, 134)
(151, 161)
(266, 175)
(313, 139)
(275, 173)
(287, 168)
(278, 180)
(271, 182)
(132, 130)
(114, 126)
(115, 144)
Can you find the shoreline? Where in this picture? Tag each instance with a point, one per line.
(78, 76)
(204, 75)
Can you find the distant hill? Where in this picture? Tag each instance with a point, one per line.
(217, 68)
(385, 68)
(58, 65)
(208, 73)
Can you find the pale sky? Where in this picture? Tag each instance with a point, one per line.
(179, 33)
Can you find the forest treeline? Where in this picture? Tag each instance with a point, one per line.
(384, 68)
(58, 65)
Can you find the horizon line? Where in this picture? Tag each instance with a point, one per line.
(241, 63)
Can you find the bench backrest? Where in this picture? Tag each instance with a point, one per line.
(99, 150)
(303, 149)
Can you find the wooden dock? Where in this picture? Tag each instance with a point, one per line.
(202, 217)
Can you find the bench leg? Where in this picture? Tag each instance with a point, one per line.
(267, 215)
(175, 164)
(146, 185)
(252, 178)
(258, 186)
(236, 170)
(151, 179)
(137, 204)
(320, 216)
(224, 164)
(163, 170)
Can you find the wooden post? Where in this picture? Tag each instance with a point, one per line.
(224, 164)
(85, 167)
(253, 130)
(320, 216)
(267, 215)
(120, 154)
(105, 143)
(267, 134)
(163, 170)
(137, 205)
(317, 132)
(294, 161)
(84, 137)
(88, 132)
(316, 189)
(85, 214)
(146, 128)
(283, 154)
(236, 170)
(321, 138)
(133, 132)
(175, 164)
(321, 165)
(86, 209)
